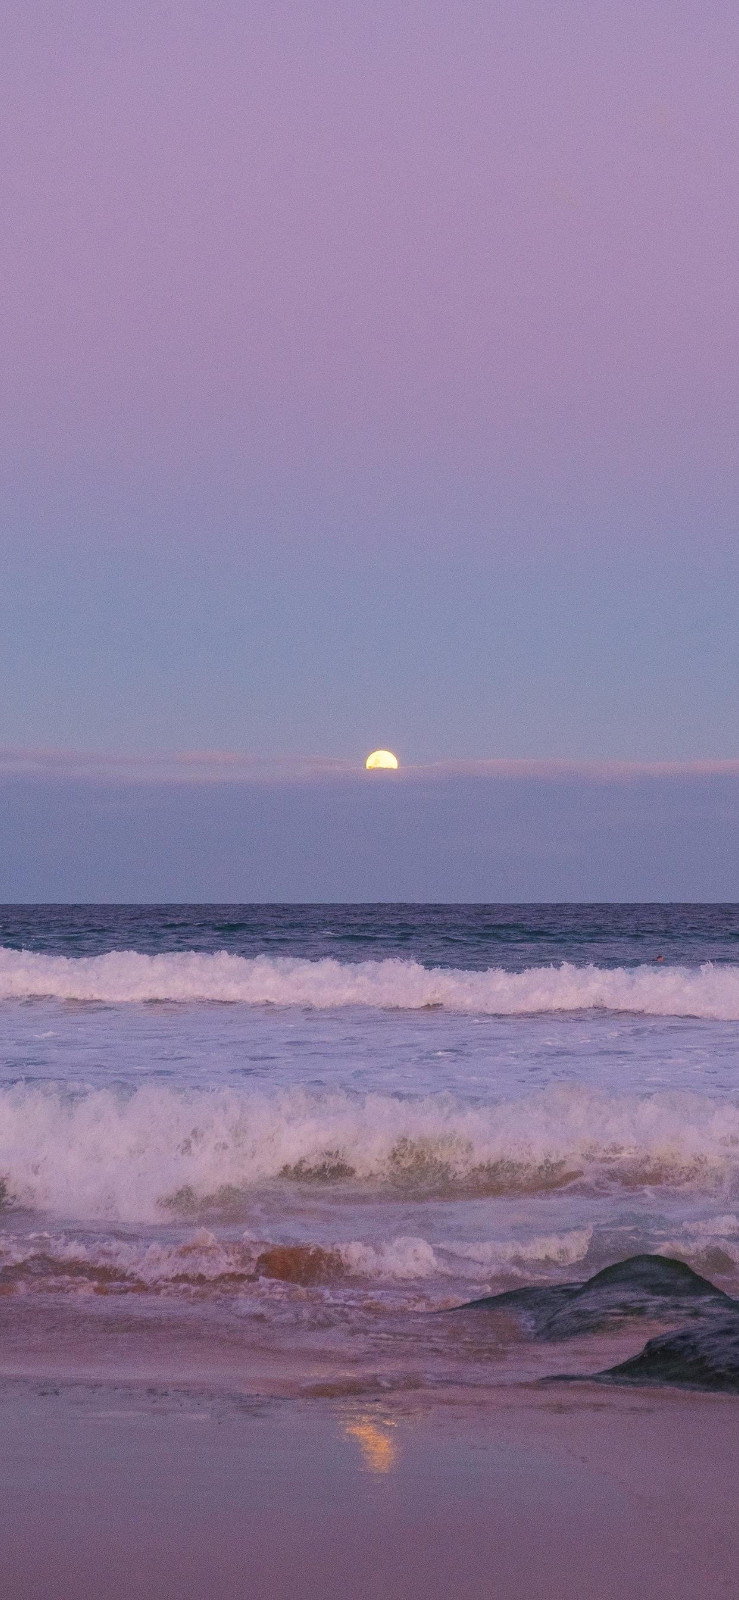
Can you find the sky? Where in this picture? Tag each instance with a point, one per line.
(407, 837)
(369, 378)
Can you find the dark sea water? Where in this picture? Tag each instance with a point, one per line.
(328, 1121)
(472, 937)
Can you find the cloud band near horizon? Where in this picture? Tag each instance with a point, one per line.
(234, 766)
(219, 827)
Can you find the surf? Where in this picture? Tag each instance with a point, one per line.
(125, 977)
(155, 1151)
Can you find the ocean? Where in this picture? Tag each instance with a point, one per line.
(286, 1136)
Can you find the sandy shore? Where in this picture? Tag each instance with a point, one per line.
(159, 1492)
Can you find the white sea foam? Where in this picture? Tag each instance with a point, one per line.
(158, 1151)
(128, 976)
(84, 1261)
(406, 1258)
(202, 1261)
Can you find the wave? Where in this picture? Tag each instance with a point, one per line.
(157, 1152)
(202, 1264)
(125, 976)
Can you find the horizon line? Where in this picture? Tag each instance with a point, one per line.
(234, 766)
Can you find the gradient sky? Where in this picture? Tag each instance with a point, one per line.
(370, 376)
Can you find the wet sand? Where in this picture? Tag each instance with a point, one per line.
(146, 1491)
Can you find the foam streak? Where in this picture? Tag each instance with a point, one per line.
(157, 1152)
(127, 976)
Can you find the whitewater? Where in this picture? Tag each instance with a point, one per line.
(340, 1112)
(141, 1154)
(127, 976)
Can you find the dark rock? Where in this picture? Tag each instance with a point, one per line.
(646, 1286)
(703, 1356)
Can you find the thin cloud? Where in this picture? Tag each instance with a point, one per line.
(234, 766)
(181, 766)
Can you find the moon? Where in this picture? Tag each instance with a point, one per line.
(381, 758)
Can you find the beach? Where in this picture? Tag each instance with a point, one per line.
(326, 1234)
(176, 1493)
(369, 801)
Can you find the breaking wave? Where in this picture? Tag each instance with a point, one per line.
(202, 1263)
(128, 976)
(157, 1152)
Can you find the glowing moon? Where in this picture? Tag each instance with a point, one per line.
(381, 758)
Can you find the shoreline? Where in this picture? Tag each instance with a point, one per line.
(170, 1491)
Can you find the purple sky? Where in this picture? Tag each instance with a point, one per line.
(370, 376)
(490, 241)
(411, 837)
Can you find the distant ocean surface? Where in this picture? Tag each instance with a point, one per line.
(317, 1121)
